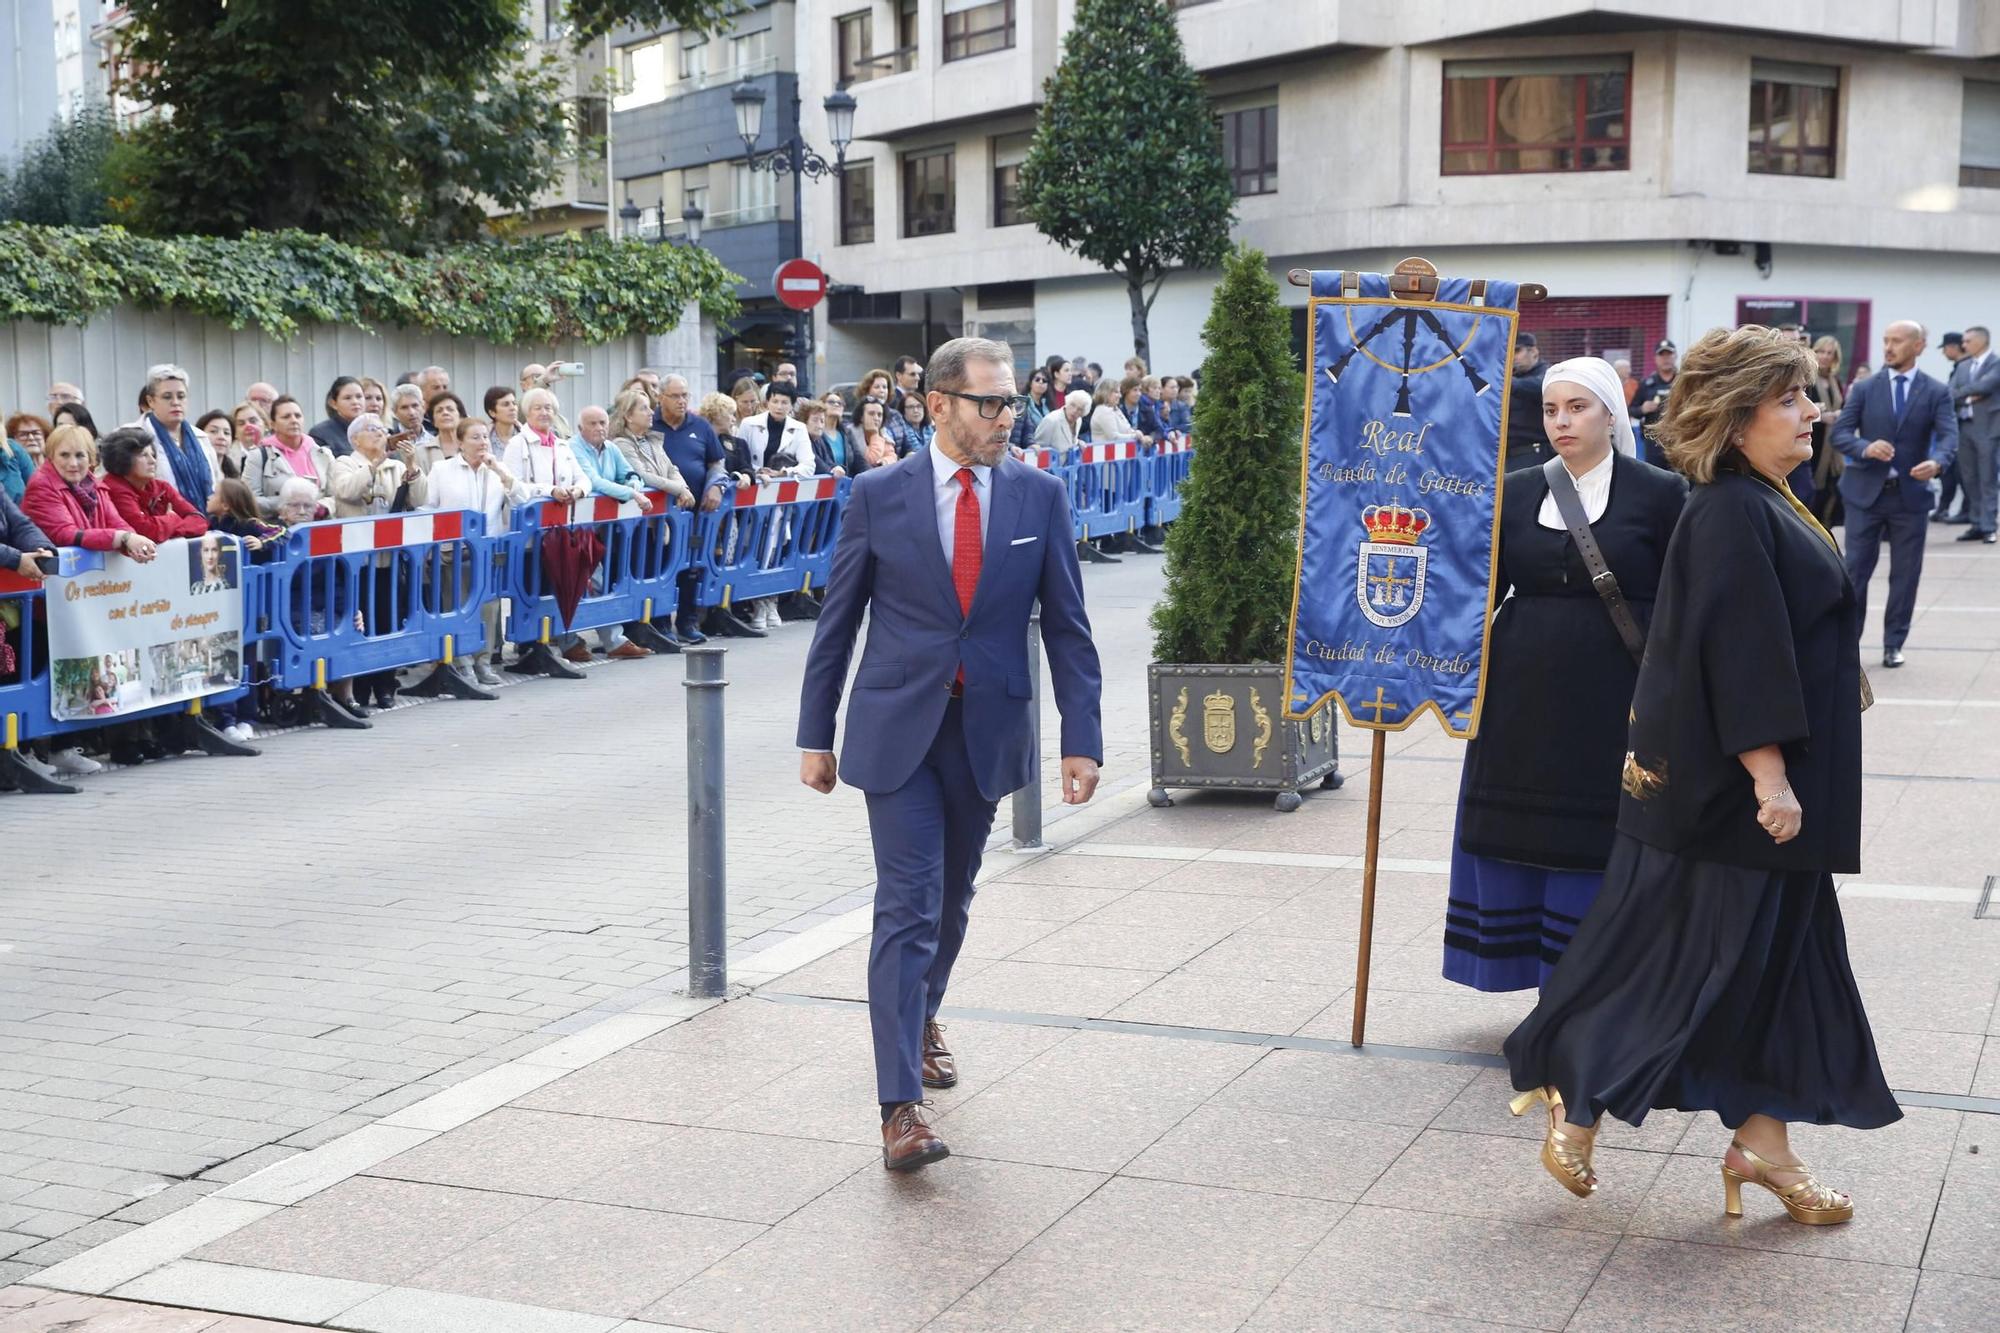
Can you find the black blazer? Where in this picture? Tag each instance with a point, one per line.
(1927, 429)
(1755, 641)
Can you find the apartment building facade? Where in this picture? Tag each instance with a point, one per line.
(1662, 167)
(49, 67)
(675, 148)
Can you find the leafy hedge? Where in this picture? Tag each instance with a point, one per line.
(528, 291)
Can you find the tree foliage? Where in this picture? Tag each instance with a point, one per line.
(381, 122)
(64, 177)
(1126, 166)
(529, 291)
(1231, 557)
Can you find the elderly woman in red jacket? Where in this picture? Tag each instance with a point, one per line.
(67, 503)
(148, 504)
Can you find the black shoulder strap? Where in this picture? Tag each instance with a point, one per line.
(1570, 505)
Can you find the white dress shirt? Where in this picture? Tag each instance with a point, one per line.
(1593, 487)
(945, 491)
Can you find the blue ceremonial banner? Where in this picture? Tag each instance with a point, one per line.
(1406, 415)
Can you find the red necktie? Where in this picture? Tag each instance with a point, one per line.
(965, 553)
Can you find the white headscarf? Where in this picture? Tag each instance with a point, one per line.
(1596, 374)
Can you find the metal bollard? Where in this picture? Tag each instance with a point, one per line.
(708, 878)
(1028, 800)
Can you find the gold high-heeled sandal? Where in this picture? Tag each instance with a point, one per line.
(1566, 1150)
(1807, 1200)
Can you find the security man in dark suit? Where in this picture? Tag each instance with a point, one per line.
(1897, 431)
(1527, 441)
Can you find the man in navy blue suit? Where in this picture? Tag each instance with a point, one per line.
(1898, 431)
(946, 551)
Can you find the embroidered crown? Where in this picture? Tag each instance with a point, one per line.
(1393, 523)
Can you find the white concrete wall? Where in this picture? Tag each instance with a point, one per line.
(108, 358)
(1091, 315)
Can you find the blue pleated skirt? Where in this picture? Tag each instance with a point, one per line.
(1507, 924)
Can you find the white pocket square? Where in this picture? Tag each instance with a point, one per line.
(1023, 541)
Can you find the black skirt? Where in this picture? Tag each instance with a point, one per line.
(1694, 986)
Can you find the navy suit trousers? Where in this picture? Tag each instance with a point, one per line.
(1905, 529)
(929, 836)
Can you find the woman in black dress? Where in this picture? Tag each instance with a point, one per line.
(1539, 800)
(1712, 972)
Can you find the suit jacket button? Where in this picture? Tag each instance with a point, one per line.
(965, 634)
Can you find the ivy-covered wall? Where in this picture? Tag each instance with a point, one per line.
(530, 291)
(96, 307)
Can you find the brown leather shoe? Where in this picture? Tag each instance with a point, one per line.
(908, 1141)
(577, 652)
(940, 1070)
(628, 651)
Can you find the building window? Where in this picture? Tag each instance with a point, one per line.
(857, 204)
(1979, 136)
(853, 43)
(906, 35)
(1793, 110)
(750, 53)
(592, 122)
(1558, 114)
(930, 200)
(643, 75)
(976, 27)
(1009, 152)
(694, 57)
(1250, 149)
(756, 194)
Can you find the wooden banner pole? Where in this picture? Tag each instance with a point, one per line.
(1369, 857)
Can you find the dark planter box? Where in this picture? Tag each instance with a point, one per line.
(1223, 727)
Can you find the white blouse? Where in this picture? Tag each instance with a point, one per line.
(1593, 486)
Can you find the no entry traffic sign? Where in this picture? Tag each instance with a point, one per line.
(799, 284)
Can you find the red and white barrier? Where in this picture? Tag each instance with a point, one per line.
(1110, 453)
(381, 534)
(599, 509)
(787, 492)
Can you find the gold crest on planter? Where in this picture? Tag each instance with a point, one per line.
(1218, 722)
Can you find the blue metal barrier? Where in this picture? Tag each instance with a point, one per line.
(776, 538)
(640, 558)
(1104, 481)
(1168, 469)
(350, 597)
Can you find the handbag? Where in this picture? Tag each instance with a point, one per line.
(1570, 505)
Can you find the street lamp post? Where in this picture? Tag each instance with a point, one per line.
(801, 161)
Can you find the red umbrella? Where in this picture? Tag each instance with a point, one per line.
(570, 555)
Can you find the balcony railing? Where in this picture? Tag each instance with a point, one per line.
(694, 83)
(652, 228)
(881, 65)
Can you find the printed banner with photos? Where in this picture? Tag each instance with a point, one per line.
(127, 636)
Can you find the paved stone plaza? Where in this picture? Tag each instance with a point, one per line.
(515, 1123)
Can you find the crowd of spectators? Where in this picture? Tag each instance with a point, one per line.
(256, 469)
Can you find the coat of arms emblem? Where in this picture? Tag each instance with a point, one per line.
(1389, 572)
(1218, 722)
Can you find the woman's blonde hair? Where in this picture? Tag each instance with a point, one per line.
(1828, 343)
(1724, 378)
(715, 404)
(629, 400)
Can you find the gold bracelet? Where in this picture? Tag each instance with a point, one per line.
(1766, 800)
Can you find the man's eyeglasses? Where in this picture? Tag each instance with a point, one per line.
(991, 405)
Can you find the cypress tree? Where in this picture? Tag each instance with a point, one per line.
(1126, 166)
(1232, 554)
